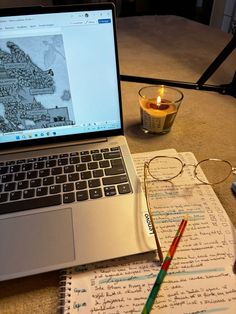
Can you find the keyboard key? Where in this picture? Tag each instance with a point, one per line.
(35, 183)
(56, 171)
(74, 154)
(10, 186)
(7, 178)
(32, 174)
(16, 195)
(81, 185)
(86, 158)
(85, 152)
(68, 198)
(74, 160)
(81, 167)
(3, 197)
(23, 185)
(15, 168)
(51, 163)
(54, 189)
(48, 181)
(111, 155)
(73, 176)
(114, 170)
(10, 162)
(42, 191)
(92, 165)
(98, 173)
(97, 157)
(86, 175)
(32, 160)
(63, 162)
(115, 148)
(110, 190)
(68, 187)
(69, 169)
(39, 165)
(27, 167)
(95, 193)
(53, 157)
(4, 169)
(104, 163)
(29, 193)
(44, 173)
(116, 162)
(124, 188)
(42, 158)
(103, 150)
(82, 195)
(61, 179)
(19, 176)
(31, 203)
(114, 180)
(94, 183)
(20, 161)
(63, 155)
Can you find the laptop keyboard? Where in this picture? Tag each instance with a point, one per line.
(62, 179)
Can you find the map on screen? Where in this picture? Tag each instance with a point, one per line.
(34, 84)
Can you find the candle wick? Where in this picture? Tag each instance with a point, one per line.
(163, 106)
(159, 106)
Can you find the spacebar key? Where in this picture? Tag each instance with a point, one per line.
(33, 203)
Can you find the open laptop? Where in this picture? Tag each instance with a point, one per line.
(69, 194)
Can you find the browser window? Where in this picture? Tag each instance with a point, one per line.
(51, 81)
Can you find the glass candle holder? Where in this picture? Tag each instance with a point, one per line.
(159, 105)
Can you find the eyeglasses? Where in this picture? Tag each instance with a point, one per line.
(166, 168)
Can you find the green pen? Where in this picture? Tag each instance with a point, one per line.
(161, 275)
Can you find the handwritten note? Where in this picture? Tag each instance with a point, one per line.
(200, 278)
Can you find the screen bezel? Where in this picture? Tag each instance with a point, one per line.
(79, 136)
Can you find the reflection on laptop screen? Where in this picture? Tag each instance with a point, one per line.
(58, 75)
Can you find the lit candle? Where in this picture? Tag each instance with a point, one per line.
(157, 114)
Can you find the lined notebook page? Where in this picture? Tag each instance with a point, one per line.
(200, 278)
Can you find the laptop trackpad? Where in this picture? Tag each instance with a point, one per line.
(36, 241)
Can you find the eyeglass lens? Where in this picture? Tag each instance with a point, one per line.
(165, 168)
(216, 170)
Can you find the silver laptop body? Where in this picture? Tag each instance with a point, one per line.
(60, 103)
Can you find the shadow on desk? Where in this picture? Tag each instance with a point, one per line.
(135, 130)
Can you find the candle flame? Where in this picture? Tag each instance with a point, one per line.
(158, 101)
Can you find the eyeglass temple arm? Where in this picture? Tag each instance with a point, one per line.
(159, 251)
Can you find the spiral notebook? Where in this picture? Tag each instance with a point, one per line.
(200, 278)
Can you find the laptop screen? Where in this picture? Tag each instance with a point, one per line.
(58, 74)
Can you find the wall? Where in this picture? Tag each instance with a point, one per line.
(223, 14)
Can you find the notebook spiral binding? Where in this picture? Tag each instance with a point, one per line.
(64, 293)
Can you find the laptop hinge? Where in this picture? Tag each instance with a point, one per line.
(54, 145)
